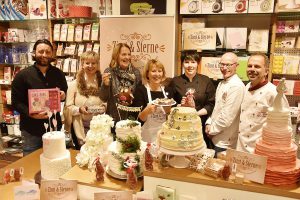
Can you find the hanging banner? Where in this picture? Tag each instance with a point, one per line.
(149, 37)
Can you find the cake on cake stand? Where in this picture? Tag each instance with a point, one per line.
(179, 160)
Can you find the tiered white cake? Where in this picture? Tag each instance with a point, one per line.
(98, 139)
(182, 131)
(127, 147)
(55, 159)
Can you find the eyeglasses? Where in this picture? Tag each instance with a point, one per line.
(226, 64)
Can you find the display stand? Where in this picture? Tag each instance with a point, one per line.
(179, 160)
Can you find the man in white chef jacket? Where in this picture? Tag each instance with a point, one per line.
(259, 96)
(223, 125)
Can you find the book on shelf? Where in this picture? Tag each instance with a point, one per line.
(212, 7)
(37, 9)
(261, 6)
(210, 67)
(190, 7)
(290, 65)
(258, 40)
(236, 38)
(235, 6)
(40, 100)
(200, 39)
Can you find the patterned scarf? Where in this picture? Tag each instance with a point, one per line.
(122, 79)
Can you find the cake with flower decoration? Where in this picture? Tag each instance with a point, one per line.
(182, 131)
(283, 167)
(55, 159)
(97, 140)
(126, 151)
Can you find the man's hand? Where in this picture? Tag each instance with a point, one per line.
(207, 130)
(41, 115)
(62, 95)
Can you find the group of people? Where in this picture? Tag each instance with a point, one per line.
(232, 115)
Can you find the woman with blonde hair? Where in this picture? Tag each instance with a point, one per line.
(83, 100)
(152, 116)
(119, 80)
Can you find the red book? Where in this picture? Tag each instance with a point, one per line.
(40, 100)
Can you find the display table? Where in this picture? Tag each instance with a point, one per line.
(31, 164)
(198, 186)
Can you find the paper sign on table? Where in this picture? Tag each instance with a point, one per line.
(27, 192)
(251, 165)
(58, 189)
(117, 195)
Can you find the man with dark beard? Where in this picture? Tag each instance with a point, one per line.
(259, 96)
(41, 75)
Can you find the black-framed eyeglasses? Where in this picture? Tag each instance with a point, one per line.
(226, 64)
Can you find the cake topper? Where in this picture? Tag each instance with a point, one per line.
(148, 158)
(99, 169)
(279, 104)
(49, 114)
(46, 127)
(189, 99)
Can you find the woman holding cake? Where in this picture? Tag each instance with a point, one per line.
(83, 101)
(151, 115)
(119, 80)
(203, 87)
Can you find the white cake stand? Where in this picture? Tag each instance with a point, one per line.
(179, 160)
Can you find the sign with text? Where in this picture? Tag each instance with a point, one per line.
(58, 189)
(149, 37)
(251, 165)
(200, 39)
(117, 195)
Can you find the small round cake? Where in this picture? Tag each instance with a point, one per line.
(55, 159)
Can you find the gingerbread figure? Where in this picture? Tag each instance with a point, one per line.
(99, 170)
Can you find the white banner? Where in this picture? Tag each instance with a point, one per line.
(149, 37)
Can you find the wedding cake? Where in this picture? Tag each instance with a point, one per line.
(55, 159)
(182, 131)
(126, 151)
(98, 139)
(283, 167)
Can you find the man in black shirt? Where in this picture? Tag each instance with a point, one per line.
(41, 75)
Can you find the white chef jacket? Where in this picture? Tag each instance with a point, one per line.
(253, 115)
(225, 118)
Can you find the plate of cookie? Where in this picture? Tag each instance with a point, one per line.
(164, 102)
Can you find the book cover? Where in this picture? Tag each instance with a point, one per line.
(241, 69)
(56, 32)
(258, 40)
(212, 6)
(235, 6)
(95, 32)
(278, 61)
(190, 6)
(71, 31)
(37, 9)
(288, 6)
(63, 32)
(40, 100)
(261, 6)
(290, 65)
(210, 67)
(201, 38)
(236, 38)
(51, 9)
(291, 26)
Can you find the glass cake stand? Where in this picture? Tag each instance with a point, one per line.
(179, 160)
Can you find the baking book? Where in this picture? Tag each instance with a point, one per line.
(40, 100)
